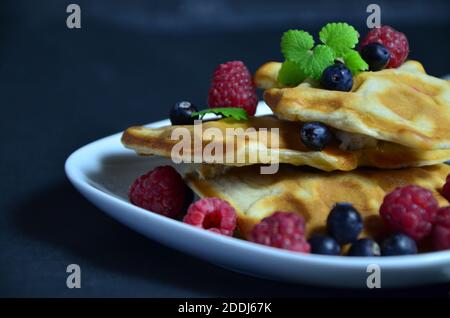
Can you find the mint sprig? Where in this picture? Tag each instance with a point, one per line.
(229, 112)
(303, 59)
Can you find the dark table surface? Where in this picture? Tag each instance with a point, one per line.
(60, 89)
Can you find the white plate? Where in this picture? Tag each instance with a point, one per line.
(103, 170)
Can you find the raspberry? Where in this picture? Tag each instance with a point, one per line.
(410, 210)
(212, 214)
(284, 230)
(440, 235)
(232, 86)
(396, 42)
(446, 188)
(161, 190)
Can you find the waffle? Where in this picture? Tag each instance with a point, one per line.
(290, 149)
(313, 193)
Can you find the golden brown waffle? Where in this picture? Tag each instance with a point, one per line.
(313, 193)
(290, 149)
(404, 105)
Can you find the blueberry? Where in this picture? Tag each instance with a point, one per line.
(376, 55)
(315, 136)
(398, 244)
(337, 77)
(364, 247)
(180, 114)
(324, 244)
(344, 223)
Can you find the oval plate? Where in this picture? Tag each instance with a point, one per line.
(103, 170)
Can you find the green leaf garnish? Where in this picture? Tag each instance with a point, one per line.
(233, 112)
(303, 60)
(290, 74)
(340, 37)
(355, 62)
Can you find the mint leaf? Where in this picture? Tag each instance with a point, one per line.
(295, 43)
(233, 112)
(290, 74)
(355, 62)
(316, 61)
(339, 36)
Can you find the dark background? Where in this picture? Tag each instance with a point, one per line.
(61, 88)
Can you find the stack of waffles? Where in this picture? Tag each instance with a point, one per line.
(392, 129)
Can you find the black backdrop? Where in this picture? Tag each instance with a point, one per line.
(60, 89)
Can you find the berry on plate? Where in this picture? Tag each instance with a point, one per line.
(232, 86)
(398, 244)
(324, 244)
(344, 223)
(337, 77)
(180, 113)
(440, 235)
(396, 42)
(410, 210)
(315, 136)
(284, 230)
(376, 55)
(161, 190)
(212, 214)
(364, 247)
